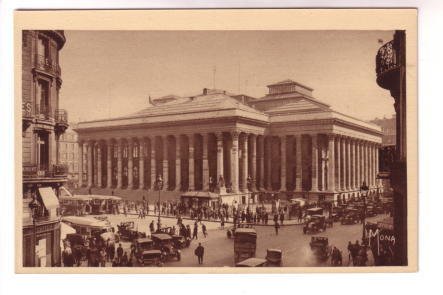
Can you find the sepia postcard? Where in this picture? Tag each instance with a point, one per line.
(216, 141)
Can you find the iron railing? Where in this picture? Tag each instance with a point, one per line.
(386, 58)
(44, 111)
(46, 64)
(61, 116)
(33, 171)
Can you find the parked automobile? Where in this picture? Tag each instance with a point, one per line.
(230, 232)
(274, 257)
(165, 244)
(352, 216)
(150, 258)
(252, 262)
(127, 231)
(245, 243)
(315, 224)
(320, 247)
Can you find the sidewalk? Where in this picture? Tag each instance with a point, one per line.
(270, 221)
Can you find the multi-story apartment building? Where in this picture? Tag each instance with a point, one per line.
(68, 155)
(43, 123)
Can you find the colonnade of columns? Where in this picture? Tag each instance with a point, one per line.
(244, 162)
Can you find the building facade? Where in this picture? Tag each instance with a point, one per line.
(287, 141)
(43, 123)
(68, 155)
(388, 128)
(391, 75)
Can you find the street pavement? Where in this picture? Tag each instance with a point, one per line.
(219, 250)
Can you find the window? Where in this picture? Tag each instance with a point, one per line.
(42, 151)
(43, 47)
(135, 151)
(125, 151)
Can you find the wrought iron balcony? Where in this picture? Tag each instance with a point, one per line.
(44, 63)
(33, 171)
(61, 121)
(386, 64)
(43, 111)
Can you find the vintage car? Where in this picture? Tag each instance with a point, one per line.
(274, 257)
(352, 216)
(314, 211)
(150, 258)
(230, 232)
(180, 241)
(245, 243)
(165, 244)
(252, 262)
(127, 231)
(314, 224)
(370, 211)
(320, 248)
(78, 245)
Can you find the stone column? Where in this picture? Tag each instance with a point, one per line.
(283, 163)
(357, 164)
(269, 163)
(130, 164)
(374, 173)
(331, 162)
(109, 164)
(298, 163)
(244, 160)
(89, 163)
(344, 164)
(141, 163)
(365, 161)
(165, 164)
(80, 164)
(253, 151)
(119, 164)
(261, 157)
(219, 136)
(353, 184)
(94, 165)
(348, 164)
(153, 163)
(338, 165)
(99, 165)
(178, 178)
(205, 138)
(376, 162)
(234, 161)
(314, 165)
(191, 162)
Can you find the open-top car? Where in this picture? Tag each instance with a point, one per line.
(230, 232)
(274, 257)
(181, 242)
(127, 231)
(165, 244)
(314, 224)
(252, 262)
(352, 216)
(245, 243)
(320, 247)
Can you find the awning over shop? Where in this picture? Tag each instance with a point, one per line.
(49, 198)
(66, 230)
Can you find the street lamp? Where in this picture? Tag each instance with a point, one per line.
(159, 187)
(364, 190)
(34, 206)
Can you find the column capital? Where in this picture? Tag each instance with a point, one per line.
(219, 135)
(332, 136)
(235, 134)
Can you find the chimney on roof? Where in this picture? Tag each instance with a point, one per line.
(205, 91)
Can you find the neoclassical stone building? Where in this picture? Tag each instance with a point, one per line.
(287, 141)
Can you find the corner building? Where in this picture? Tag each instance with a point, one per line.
(43, 122)
(287, 142)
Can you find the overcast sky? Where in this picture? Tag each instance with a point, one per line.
(112, 73)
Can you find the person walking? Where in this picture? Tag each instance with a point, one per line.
(205, 233)
(119, 253)
(276, 226)
(282, 217)
(199, 252)
(194, 234)
(152, 226)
